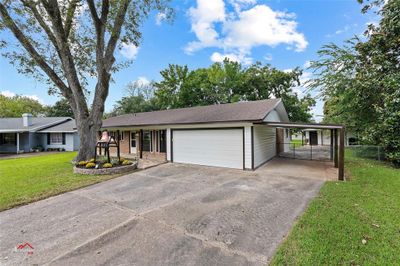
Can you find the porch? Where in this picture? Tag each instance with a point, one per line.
(146, 146)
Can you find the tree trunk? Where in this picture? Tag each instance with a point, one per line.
(88, 138)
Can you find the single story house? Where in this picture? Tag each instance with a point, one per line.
(321, 137)
(230, 135)
(27, 133)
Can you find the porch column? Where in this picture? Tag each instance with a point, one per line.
(331, 151)
(140, 143)
(17, 142)
(341, 154)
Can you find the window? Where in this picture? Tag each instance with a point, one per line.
(56, 138)
(146, 140)
(8, 139)
(122, 135)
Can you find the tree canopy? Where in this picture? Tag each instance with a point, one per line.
(61, 108)
(68, 43)
(229, 82)
(17, 105)
(360, 80)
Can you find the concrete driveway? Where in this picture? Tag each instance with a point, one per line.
(171, 214)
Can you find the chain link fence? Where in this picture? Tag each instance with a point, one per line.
(368, 151)
(295, 150)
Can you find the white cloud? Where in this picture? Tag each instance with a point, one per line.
(129, 50)
(143, 81)
(242, 58)
(268, 57)
(239, 32)
(8, 93)
(307, 64)
(160, 17)
(261, 25)
(238, 5)
(203, 18)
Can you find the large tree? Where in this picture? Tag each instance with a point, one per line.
(17, 105)
(229, 82)
(70, 44)
(361, 80)
(60, 108)
(139, 98)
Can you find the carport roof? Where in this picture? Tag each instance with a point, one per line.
(304, 125)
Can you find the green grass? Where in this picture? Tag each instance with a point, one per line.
(25, 180)
(333, 227)
(296, 143)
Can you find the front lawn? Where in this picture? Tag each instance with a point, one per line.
(356, 222)
(24, 180)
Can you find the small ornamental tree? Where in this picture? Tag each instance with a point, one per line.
(66, 43)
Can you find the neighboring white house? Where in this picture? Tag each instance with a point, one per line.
(29, 133)
(227, 135)
(321, 137)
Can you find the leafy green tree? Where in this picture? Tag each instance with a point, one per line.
(61, 108)
(140, 98)
(66, 43)
(229, 82)
(361, 80)
(17, 105)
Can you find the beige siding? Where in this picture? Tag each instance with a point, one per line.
(264, 144)
(247, 147)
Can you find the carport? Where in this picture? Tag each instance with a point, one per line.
(336, 143)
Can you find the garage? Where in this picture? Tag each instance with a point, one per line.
(214, 147)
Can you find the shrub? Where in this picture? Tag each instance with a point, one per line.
(115, 162)
(82, 163)
(90, 165)
(107, 165)
(126, 162)
(122, 160)
(91, 160)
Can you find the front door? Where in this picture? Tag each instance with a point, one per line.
(133, 142)
(313, 138)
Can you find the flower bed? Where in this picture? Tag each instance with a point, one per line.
(101, 167)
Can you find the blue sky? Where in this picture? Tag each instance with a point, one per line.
(283, 33)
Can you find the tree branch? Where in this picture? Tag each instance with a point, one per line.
(66, 58)
(42, 23)
(9, 22)
(115, 34)
(70, 16)
(93, 12)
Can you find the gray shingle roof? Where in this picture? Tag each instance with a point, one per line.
(16, 124)
(232, 112)
(68, 126)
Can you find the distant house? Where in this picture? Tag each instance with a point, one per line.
(321, 137)
(29, 133)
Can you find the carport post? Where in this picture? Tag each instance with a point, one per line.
(341, 155)
(336, 149)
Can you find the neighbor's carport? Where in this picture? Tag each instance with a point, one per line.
(337, 137)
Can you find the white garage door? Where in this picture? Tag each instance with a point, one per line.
(213, 147)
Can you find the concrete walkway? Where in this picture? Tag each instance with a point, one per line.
(171, 214)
